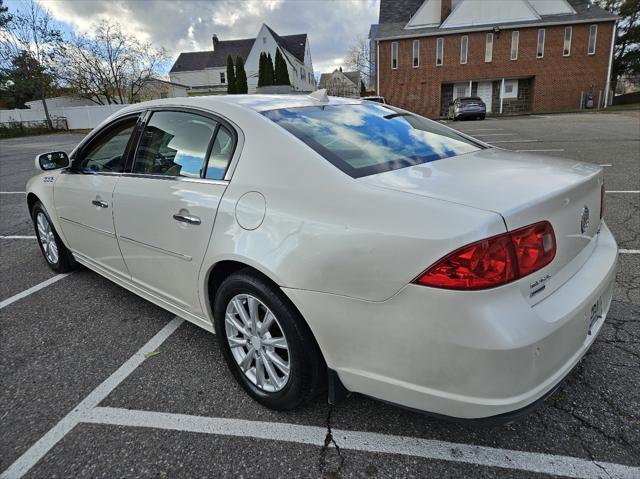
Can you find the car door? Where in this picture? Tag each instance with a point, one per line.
(83, 195)
(165, 208)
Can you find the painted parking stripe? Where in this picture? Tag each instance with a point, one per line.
(367, 442)
(606, 166)
(483, 129)
(632, 192)
(517, 141)
(37, 451)
(550, 149)
(32, 290)
(13, 193)
(496, 134)
(629, 251)
(17, 237)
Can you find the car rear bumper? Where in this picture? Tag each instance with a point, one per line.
(462, 354)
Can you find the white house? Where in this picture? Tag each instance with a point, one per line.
(339, 83)
(206, 72)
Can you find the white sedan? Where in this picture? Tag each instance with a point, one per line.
(341, 244)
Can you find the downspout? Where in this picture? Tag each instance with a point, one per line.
(608, 84)
(377, 68)
(501, 95)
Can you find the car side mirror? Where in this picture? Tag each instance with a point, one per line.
(52, 161)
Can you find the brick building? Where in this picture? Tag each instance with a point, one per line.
(517, 55)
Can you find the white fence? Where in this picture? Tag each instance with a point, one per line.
(78, 117)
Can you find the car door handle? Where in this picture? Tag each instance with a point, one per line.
(192, 220)
(100, 204)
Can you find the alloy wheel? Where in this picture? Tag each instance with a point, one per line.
(47, 238)
(257, 343)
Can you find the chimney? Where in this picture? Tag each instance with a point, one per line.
(215, 41)
(445, 9)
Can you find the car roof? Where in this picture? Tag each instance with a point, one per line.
(257, 103)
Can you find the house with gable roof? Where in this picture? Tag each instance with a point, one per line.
(517, 55)
(205, 72)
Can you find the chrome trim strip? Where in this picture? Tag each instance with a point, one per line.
(155, 248)
(184, 179)
(90, 228)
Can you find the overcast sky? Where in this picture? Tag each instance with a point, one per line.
(332, 25)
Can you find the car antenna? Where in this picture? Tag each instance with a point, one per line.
(320, 96)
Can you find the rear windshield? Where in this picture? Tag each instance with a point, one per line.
(366, 139)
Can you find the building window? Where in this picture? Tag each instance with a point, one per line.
(566, 50)
(540, 50)
(488, 51)
(223, 78)
(510, 89)
(515, 41)
(464, 49)
(302, 74)
(416, 53)
(440, 52)
(593, 34)
(394, 55)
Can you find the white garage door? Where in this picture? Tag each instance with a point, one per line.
(485, 91)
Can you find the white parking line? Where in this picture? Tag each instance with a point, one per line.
(33, 289)
(605, 166)
(483, 129)
(36, 452)
(550, 149)
(629, 251)
(13, 192)
(517, 141)
(365, 441)
(17, 237)
(632, 192)
(496, 134)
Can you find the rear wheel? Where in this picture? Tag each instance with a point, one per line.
(58, 257)
(482, 117)
(266, 343)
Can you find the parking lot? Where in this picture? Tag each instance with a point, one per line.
(81, 396)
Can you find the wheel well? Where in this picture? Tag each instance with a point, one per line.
(31, 200)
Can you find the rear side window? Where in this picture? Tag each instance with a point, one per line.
(367, 139)
(174, 144)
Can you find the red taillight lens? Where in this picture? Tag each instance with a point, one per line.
(494, 261)
(602, 193)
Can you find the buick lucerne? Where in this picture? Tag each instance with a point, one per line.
(341, 245)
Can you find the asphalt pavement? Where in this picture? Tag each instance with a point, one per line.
(80, 399)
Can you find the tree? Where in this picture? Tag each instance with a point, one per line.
(358, 59)
(5, 16)
(30, 41)
(110, 66)
(281, 76)
(269, 71)
(21, 81)
(231, 77)
(241, 77)
(261, 69)
(626, 56)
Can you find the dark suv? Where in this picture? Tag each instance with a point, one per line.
(467, 107)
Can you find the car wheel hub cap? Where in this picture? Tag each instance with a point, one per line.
(257, 342)
(47, 238)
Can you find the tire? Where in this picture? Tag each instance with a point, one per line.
(55, 253)
(482, 117)
(307, 371)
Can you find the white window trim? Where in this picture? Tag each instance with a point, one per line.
(464, 40)
(440, 46)
(595, 39)
(416, 55)
(488, 52)
(564, 41)
(394, 44)
(540, 55)
(515, 35)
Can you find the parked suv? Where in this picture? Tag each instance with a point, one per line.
(467, 107)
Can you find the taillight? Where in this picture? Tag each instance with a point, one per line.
(494, 261)
(602, 193)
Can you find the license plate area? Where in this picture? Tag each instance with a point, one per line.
(594, 314)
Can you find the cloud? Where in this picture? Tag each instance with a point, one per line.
(332, 25)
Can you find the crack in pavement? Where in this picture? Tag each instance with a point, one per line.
(328, 441)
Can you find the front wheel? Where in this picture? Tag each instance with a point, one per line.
(58, 257)
(266, 343)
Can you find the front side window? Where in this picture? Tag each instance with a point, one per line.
(371, 138)
(440, 51)
(593, 34)
(464, 49)
(515, 41)
(107, 153)
(488, 51)
(174, 143)
(394, 55)
(416, 53)
(566, 50)
(540, 49)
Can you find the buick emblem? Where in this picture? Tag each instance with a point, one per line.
(584, 219)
